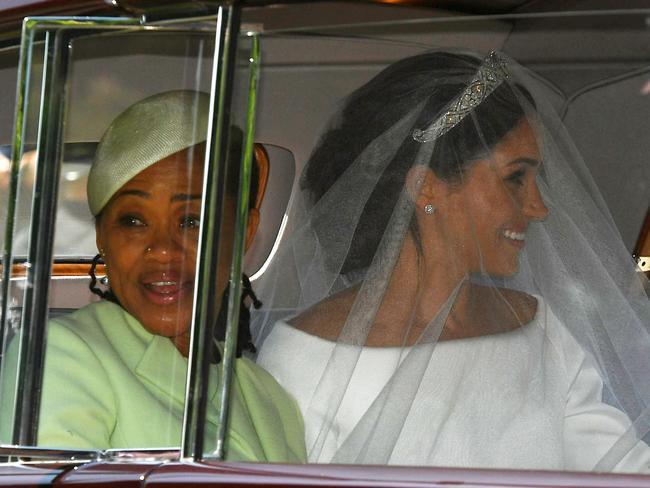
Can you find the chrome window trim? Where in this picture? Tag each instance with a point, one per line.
(49, 145)
(32, 347)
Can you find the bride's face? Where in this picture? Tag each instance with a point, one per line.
(486, 218)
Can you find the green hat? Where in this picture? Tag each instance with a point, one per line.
(146, 132)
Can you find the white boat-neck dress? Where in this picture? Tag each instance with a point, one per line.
(526, 399)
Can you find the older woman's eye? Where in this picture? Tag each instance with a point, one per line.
(130, 221)
(190, 222)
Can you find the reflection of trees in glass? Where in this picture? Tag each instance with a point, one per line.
(75, 232)
(74, 235)
(5, 166)
(26, 179)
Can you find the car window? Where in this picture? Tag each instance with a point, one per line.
(622, 99)
(102, 76)
(129, 118)
(307, 90)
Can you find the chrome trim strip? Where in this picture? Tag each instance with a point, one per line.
(41, 234)
(77, 455)
(31, 346)
(234, 296)
(150, 455)
(210, 248)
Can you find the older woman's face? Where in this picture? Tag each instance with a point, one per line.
(148, 233)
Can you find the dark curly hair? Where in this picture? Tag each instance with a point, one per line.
(431, 80)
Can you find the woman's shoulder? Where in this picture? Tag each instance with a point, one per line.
(271, 408)
(252, 375)
(293, 355)
(83, 322)
(507, 307)
(92, 314)
(78, 333)
(525, 306)
(326, 318)
(103, 328)
(98, 320)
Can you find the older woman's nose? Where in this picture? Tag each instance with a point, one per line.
(535, 208)
(163, 246)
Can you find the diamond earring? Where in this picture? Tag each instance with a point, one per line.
(429, 209)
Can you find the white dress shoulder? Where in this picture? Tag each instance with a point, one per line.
(526, 399)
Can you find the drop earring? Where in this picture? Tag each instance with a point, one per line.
(429, 209)
(105, 294)
(104, 279)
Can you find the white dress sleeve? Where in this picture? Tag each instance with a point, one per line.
(597, 436)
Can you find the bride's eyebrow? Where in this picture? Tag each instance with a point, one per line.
(529, 161)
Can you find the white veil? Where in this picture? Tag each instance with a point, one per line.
(453, 290)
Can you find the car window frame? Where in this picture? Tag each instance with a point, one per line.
(56, 33)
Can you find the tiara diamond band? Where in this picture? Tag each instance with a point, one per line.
(492, 72)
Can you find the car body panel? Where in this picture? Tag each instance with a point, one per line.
(41, 474)
(240, 474)
(107, 473)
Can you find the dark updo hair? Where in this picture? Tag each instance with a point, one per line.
(434, 80)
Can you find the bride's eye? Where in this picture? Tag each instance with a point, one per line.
(517, 177)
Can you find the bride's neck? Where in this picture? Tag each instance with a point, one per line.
(419, 288)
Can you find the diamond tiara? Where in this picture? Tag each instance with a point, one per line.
(492, 72)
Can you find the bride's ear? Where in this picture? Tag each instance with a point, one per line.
(422, 186)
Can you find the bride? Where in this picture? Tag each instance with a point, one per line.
(454, 291)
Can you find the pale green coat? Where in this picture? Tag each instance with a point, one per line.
(108, 383)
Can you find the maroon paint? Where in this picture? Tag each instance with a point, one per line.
(251, 475)
(28, 475)
(115, 474)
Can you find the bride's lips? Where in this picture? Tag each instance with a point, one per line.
(166, 288)
(514, 237)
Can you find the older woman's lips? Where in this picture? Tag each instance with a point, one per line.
(166, 292)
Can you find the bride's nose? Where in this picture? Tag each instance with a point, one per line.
(534, 207)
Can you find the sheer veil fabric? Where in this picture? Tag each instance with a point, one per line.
(452, 289)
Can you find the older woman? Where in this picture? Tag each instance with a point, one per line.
(461, 297)
(115, 371)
